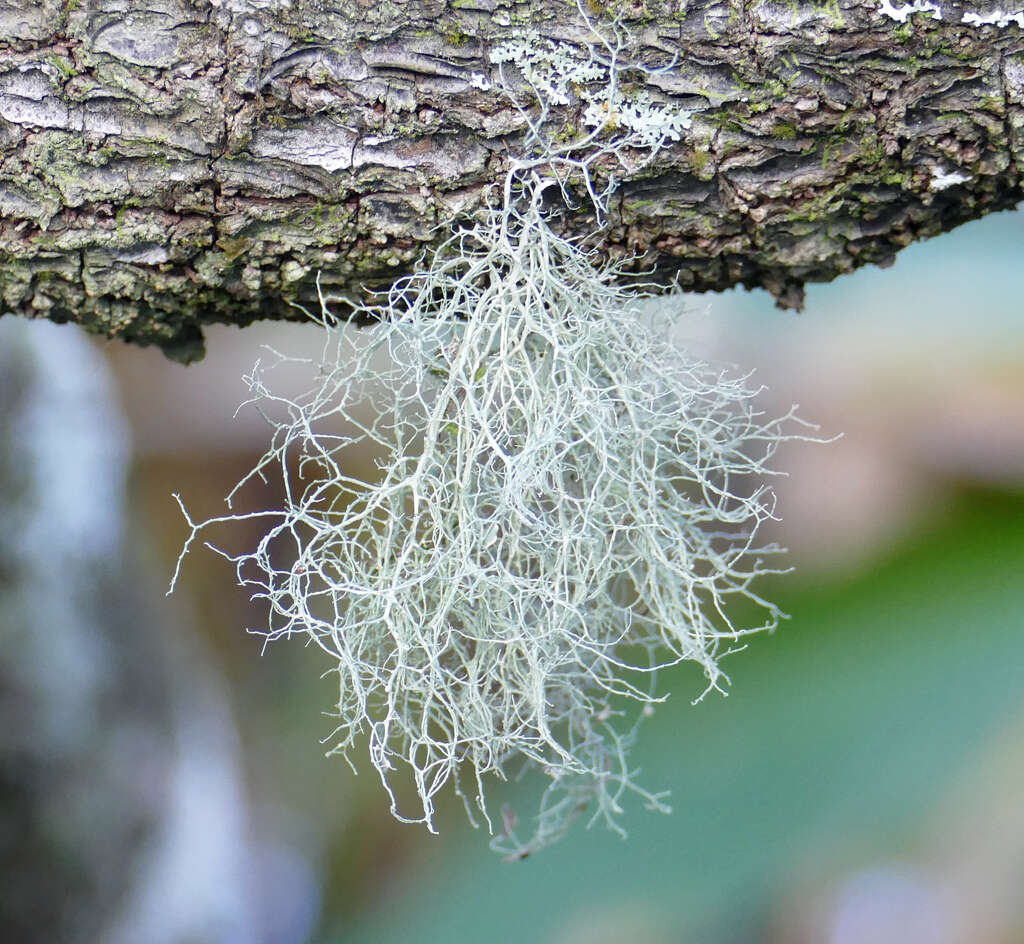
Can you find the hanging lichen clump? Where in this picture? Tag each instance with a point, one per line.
(566, 502)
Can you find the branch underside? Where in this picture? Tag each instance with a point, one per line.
(182, 163)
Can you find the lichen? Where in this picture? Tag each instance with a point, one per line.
(997, 17)
(558, 72)
(566, 503)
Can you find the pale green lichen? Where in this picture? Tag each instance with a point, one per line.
(561, 511)
(559, 73)
(997, 17)
(565, 504)
(994, 17)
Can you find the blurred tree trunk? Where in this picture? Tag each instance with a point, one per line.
(116, 751)
(170, 164)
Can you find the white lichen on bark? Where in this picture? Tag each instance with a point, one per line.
(994, 17)
(566, 503)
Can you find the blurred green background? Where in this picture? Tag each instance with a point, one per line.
(860, 783)
(843, 740)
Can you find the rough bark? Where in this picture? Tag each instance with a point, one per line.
(167, 164)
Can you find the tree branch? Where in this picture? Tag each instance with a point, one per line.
(172, 164)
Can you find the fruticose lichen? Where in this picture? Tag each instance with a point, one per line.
(566, 502)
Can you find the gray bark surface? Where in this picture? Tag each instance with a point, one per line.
(168, 164)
